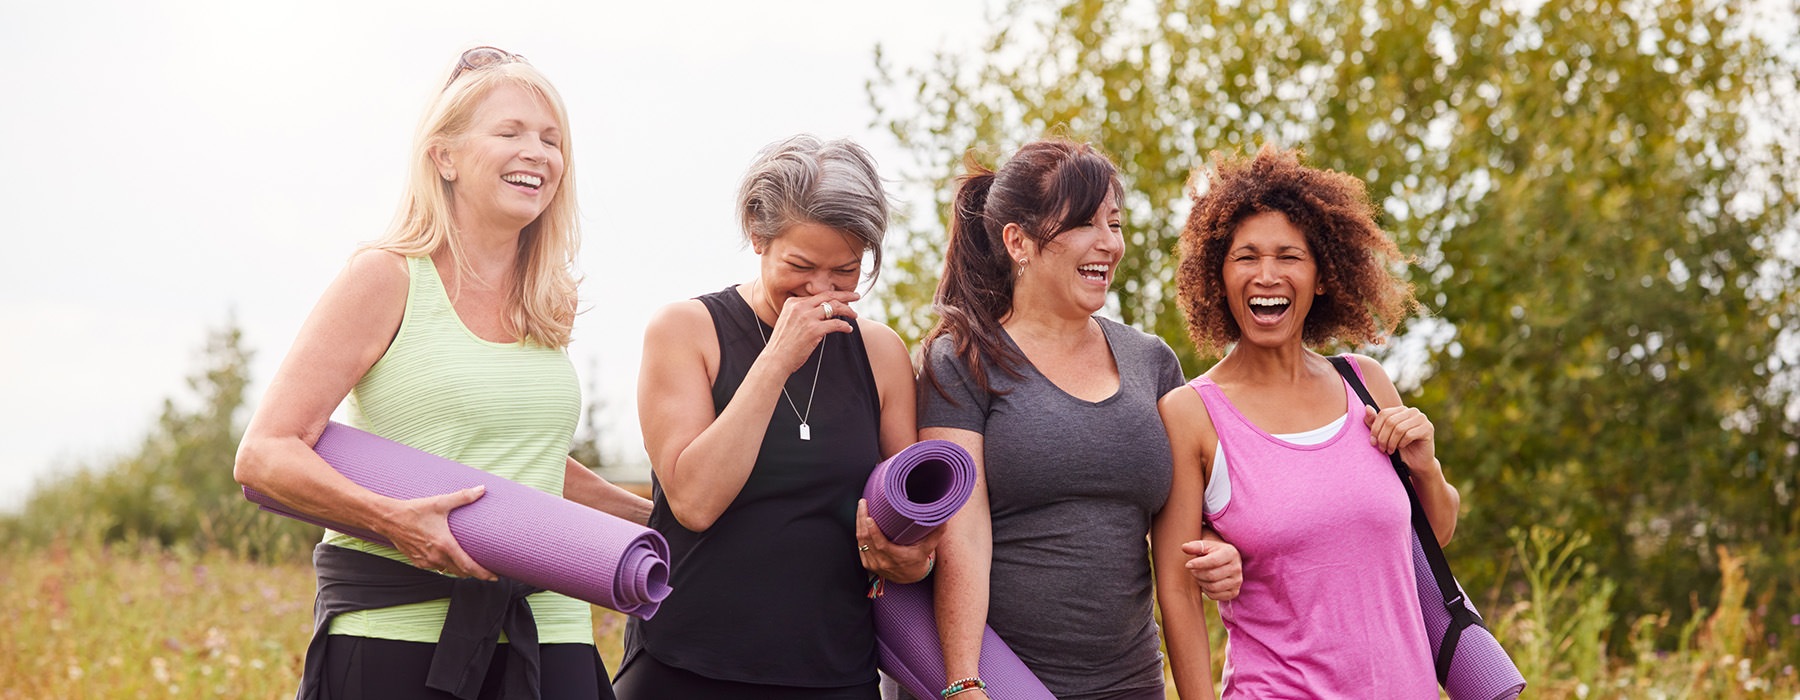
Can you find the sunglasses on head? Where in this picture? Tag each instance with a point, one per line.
(481, 57)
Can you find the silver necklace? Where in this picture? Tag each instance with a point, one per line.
(805, 428)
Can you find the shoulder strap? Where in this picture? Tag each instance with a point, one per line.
(1460, 614)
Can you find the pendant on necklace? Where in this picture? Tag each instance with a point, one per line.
(805, 432)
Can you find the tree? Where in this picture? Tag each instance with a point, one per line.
(177, 487)
(1597, 194)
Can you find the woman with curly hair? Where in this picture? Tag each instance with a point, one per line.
(1274, 450)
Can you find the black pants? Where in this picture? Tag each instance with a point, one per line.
(384, 669)
(642, 677)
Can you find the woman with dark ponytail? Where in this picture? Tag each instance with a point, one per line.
(1058, 406)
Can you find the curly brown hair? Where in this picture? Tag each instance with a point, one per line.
(1365, 298)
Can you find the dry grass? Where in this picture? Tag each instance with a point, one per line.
(86, 620)
(105, 622)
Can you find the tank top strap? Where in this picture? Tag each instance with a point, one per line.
(1228, 423)
(739, 341)
(426, 296)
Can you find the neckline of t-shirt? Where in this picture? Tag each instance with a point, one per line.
(1111, 349)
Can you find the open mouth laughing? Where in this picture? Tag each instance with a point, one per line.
(1269, 308)
(524, 180)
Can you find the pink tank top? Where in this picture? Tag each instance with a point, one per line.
(1328, 607)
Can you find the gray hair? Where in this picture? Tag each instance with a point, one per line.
(803, 180)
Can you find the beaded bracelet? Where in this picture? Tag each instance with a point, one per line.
(962, 686)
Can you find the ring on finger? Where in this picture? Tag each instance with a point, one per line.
(862, 548)
(826, 307)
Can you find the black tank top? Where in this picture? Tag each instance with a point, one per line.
(774, 591)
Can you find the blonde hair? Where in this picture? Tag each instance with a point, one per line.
(541, 303)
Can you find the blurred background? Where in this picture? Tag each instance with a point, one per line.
(1600, 198)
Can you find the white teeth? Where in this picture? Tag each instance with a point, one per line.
(1095, 268)
(1268, 301)
(531, 181)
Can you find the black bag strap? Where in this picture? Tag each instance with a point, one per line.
(1461, 616)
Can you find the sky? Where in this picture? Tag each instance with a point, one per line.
(169, 167)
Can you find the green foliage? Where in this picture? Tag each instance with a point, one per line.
(1557, 634)
(1597, 194)
(1558, 631)
(176, 488)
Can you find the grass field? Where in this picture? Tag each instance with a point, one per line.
(105, 622)
(115, 622)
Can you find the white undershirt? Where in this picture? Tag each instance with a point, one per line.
(1218, 488)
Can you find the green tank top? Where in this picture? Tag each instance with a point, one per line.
(509, 409)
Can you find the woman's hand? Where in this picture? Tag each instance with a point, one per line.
(803, 322)
(1217, 566)
(420, 529)
(1407, 430)
(893, 562)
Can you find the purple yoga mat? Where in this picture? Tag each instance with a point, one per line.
(910, 493)
(919, 489)
(1481, 670)
(513, 530)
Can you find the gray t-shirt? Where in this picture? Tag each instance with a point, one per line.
(1072, 486)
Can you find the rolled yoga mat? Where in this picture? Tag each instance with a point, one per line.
(909, 494)
(513, 530)
(1480, 670)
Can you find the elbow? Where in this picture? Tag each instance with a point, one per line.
(694, 519)
(695, 525)
(1452, 514)
(245, 468)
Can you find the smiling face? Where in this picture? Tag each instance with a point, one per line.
(1270, 279)
(1075, 269)
(506, 168)
(807, 259)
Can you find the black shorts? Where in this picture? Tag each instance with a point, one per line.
(385, 669)
(642, 677)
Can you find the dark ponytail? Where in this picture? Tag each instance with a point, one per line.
(1048, 187)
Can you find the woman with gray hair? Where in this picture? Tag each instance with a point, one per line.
(764, 406)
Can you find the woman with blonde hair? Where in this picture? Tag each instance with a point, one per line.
(448, 334)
